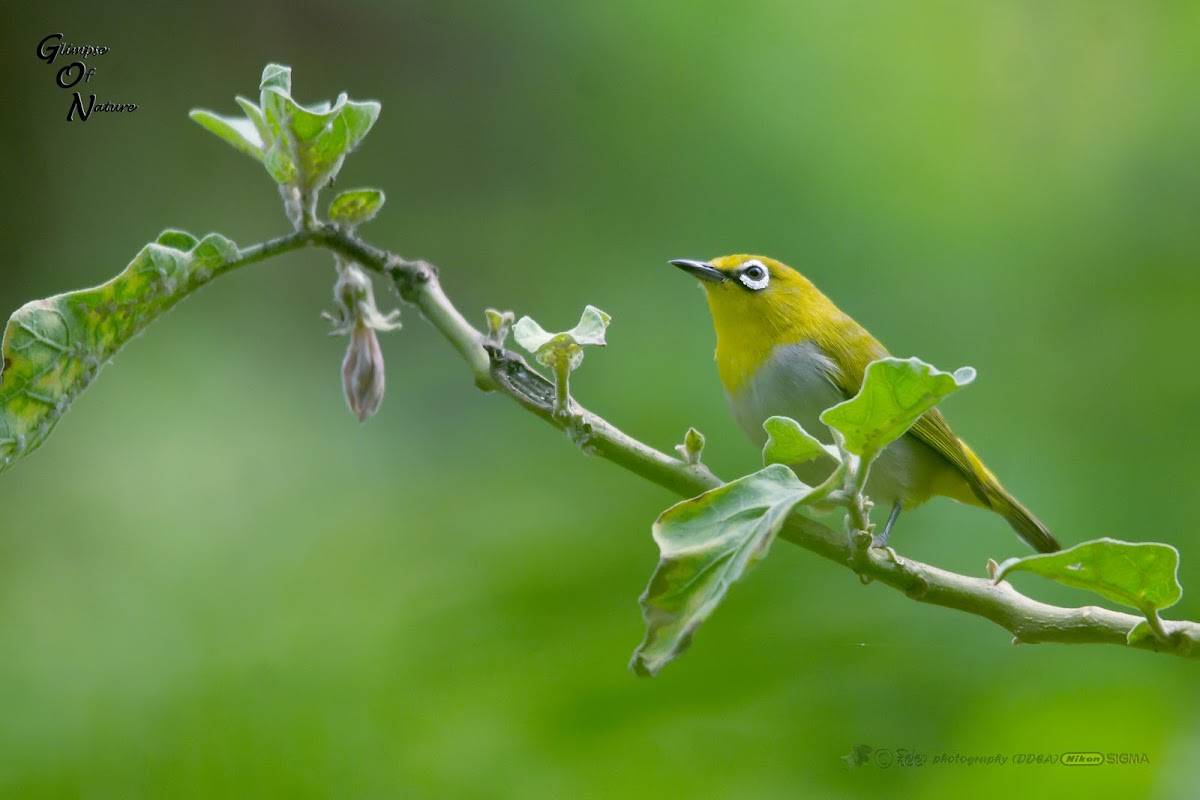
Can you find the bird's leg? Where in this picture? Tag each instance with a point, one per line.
(881, 540)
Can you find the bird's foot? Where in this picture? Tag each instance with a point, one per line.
(880, 540)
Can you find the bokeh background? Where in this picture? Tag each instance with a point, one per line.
(214, 582)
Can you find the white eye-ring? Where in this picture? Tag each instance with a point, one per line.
(754, 275)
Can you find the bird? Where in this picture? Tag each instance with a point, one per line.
(785, 349)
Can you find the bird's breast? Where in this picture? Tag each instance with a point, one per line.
(795, 380)
(798, 381)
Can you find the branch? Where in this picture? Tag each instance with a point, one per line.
(498, 369)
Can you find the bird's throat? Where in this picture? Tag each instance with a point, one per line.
(748, 330)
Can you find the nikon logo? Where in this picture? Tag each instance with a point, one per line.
(1082, 759)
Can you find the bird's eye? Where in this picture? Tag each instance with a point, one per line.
(754, 275)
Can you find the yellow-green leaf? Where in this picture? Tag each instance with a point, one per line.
(241, 133)
(562, 350)
(353, 207)
(706, 544)
(894, 394)
(314, 139)
(1142, 575)
(788, 443)
(53, 348)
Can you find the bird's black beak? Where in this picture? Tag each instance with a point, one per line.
(701, 269)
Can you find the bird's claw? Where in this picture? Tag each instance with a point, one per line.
(880, 543)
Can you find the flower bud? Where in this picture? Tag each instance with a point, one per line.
(355, 314)
(363, 372)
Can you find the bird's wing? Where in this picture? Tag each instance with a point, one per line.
(933, 430)
(854, 348)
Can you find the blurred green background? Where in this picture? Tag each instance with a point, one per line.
(215, 583)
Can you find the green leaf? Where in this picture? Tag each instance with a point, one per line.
(788, 443)
(706, 544)
(277, 76)
(180, 240)
(53, 348)
(313, 140)
(241, 133)
(1142, 575)
(530, 335)
(255, 115)
(894, 395)
(591, 327)
(557, 349)
(300, 145)
(353, 207)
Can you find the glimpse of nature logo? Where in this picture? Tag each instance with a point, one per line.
(67, 77)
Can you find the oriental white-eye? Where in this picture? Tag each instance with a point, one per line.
(784, 349)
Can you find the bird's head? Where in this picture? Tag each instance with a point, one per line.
(757, 303)
(753, 293)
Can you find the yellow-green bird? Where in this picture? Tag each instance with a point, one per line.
(784, 349)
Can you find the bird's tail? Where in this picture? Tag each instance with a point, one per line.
(1027, 526)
